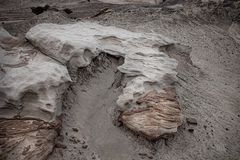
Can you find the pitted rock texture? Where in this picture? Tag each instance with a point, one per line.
(26, 139)
(77, 44)
(31, 84)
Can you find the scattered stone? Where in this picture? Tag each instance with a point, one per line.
(75, 129)
(191, 130)
(85, 146)
(74, 140)
(39, 10)
(60, 145)
(68, 11)
(191, 121)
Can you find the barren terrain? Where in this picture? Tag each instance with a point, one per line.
(207, 48)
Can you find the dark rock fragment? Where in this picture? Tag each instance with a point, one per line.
(75, 129)
(191, 121)
(39, 10)
(67, 10)
(191, 130)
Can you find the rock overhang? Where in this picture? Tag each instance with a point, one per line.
(82, 41)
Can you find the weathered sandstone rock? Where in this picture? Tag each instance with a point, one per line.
(31, 84)
(160, 116)
(150, 69)
(31, 88)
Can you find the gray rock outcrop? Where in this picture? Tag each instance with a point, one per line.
(150, 69)
(31, 83)
(31, 88)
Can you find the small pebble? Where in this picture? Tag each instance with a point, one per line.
(75, 129)
(60, 145)
(85, 146)
(205, 127)
(191, 121)
(191, 130)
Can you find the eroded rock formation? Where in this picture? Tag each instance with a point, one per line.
(150, 69)
(32, 83)
(31, 88)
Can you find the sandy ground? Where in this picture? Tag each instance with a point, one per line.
(208, 87)
(88, 127)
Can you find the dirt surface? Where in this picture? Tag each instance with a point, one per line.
(89, 130)
(208, 85)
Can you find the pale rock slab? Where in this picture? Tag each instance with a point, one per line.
(31, 88)
(31, 84)
(77, 44)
